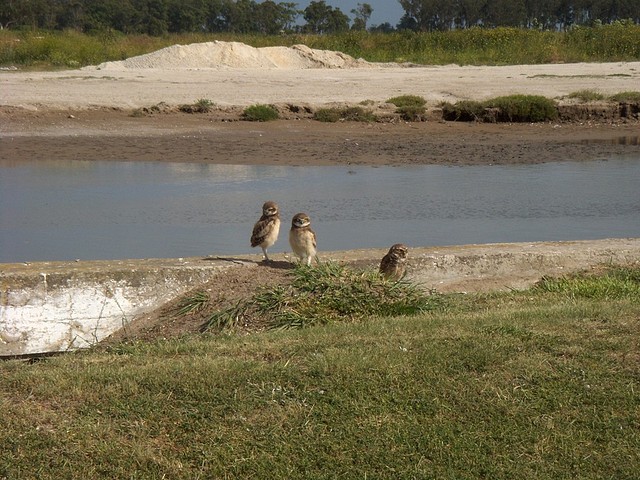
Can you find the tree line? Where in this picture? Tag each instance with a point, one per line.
(158, 17)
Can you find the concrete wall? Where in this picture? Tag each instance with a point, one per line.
(59, 306)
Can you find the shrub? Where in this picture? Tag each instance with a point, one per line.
(352, 114)
(408, 101)
(260, 113)
(464, 111)
(201, 106)
(524, 108)
(410, 107)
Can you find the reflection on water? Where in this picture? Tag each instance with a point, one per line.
(61, 210)
(627, 140)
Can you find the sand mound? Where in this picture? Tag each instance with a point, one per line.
(237, 55)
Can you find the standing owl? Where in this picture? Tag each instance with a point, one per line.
(302, 238)
(266, 230)
(393, 264)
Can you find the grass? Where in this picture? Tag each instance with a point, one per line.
(260, 113)
(511, 108)
(348, 114)
(410, 107)
(324, 294)
(536, 384)
(475, 46)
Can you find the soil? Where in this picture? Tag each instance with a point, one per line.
(224, 291)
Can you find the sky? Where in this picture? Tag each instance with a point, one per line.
(383, 10)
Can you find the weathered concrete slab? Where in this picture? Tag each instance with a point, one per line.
(59, 306)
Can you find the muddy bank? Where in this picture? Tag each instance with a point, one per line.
(114, 134)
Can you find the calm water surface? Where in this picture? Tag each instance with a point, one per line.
(64, 210)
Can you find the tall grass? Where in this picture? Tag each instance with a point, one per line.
(536, 384)
(475, 46)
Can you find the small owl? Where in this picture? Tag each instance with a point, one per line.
(393, 264)
(302, 238)
(266, 230)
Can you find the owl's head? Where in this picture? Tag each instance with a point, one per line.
(300, 220)
(399, 252)
(269, 209)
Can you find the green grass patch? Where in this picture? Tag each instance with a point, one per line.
(348, 114)
(586, 96)
(323, 294)
(625, 97)
(411, 108)
(512, 108)
(260, 113)
(535, 384)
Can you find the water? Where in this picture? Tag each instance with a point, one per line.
(65, 210)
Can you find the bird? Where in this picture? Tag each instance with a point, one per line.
(393, 264)
(302, 239)
(266, 230)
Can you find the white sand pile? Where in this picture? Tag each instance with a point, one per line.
(237, 55)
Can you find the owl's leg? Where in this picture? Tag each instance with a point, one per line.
(266, 257)
(307, 260)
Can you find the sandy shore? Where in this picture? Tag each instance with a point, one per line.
(87, 114)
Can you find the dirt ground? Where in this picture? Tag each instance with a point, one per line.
(94, 115)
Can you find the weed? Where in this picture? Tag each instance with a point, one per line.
(260, 113)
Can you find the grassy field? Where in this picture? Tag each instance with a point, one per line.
(540, 384)
(499, 46)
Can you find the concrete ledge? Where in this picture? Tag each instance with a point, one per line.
(60, 306)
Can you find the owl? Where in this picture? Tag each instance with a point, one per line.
(266, 230)
(302, 239)
(393, 264)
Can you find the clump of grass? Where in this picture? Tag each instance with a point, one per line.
(260, 113)
(613, 283)
(586, 96)
(349, 114)
(410, 107)
(511, 108)
(192, 303)
(625, 97)
(408, 101)
(324, 294)
(463, 111)
(202, 105)
(524, 108)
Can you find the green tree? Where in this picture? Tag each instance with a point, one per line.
(322, 18)
(362, 15)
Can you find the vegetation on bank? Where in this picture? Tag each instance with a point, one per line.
(474, 46)
(541, 383)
